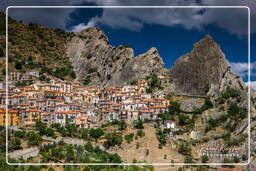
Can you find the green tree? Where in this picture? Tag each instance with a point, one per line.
(88, 147)
(18, 65)
(140, 133)
(205, 159)
(174, 108)
(139, 124)
(149, 90)
(34, 139)
(122, 125)
(154, 81)
(96, 133)
(129, 137)
(113, 139)
(184, 148)
(15, 144)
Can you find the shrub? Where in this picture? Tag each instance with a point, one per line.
(184, 147)
(236, 111)
(87, 81)
(72, 74)
(154, 81)
(188, 159)
(205, 159)
(18, 65)
(34, 139)
(149, 90)
(19, 134)
(139, 124)
(230, 93)
(140, 133)
(88, 147)
(129, 137)
(134, 82)
(96, 133)
(174, 108)
(15, 144)
(122, 125)
(161, 137)
(113, 139)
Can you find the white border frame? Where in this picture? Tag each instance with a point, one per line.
(153, 164)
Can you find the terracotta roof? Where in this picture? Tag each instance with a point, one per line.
(67, 112)
(161, 99)
(33, 110)
(156, 107)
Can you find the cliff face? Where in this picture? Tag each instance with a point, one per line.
(92, 56)
(197, 72)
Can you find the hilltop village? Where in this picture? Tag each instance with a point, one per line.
(60, 101)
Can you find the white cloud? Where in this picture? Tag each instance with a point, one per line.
(252, 84)
(241, 68)
(83, 26)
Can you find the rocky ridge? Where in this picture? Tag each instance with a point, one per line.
(105, 65)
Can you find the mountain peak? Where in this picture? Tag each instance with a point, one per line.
(94, 34)
(206, 42)
(196, 72)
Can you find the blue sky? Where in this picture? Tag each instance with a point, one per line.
(171, 31)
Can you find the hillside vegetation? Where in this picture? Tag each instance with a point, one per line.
(32, 46)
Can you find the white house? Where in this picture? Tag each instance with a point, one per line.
(169, 124)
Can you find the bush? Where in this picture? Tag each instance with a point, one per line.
(207, 105)
(154, 81)
(139, 124)
(161, 137)
(149, 90)
(34, 139)
(174, 108)
(87, 81)
(188, 159)
(113, 139)
(19, 134)
(134, 82)
(18, 65)
(230, 93)
(236, 111)
(122, 125)
(129, 137)
(140, 133)
(88, 147)
(96, 133)
(184, 148)
(205, 159)
(184, 120)
(164, 116)
(15, 144)
(72, 74)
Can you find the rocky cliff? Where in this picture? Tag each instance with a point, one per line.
(202, 69)
(92, 57)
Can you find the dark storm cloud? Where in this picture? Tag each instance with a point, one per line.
(234, 21)
(54, 18)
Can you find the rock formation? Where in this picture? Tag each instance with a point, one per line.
(195, 73)
(92, 56)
